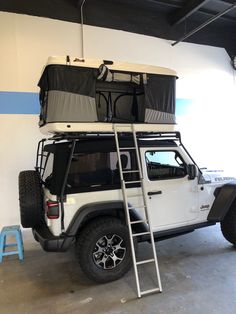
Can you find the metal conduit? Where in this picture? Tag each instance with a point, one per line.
(82, 28)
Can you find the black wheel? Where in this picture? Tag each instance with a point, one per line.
(31, 199)
(103, 247)
(228, 225)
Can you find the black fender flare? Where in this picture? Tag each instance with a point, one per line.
(96, 209)
(225, 197)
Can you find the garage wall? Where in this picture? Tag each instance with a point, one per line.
(205, 90)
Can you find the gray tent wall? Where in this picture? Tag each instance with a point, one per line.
(67, 94)
(160, 99)
(74, 94)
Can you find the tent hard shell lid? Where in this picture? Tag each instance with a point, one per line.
(78, 94)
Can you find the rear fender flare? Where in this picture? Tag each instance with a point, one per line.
(96, 209)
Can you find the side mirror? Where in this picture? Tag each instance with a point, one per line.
(192, 172)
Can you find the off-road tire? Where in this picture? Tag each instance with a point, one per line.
(31, 199)
(86, 242)
(228, 225)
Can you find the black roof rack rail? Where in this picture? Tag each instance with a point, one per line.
(140, 135)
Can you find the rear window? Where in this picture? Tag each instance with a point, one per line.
(48, 169)
(96, 171)
(48, 166)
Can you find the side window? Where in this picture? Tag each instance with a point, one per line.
(90, 170)
(125, 159)
(98, 171)
(128, 161)
(163, 165)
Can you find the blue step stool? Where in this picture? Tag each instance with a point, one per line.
(16, 232)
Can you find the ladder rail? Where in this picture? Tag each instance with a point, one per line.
(127, 215)
(127, 207)
(146, 211)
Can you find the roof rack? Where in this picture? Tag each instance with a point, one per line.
(126, 135)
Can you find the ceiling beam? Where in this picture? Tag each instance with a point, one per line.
(212, 19)
(188, 9)
(226, 1)
(167, 3)
(224, 17)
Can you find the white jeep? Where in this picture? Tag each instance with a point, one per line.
(75, 196)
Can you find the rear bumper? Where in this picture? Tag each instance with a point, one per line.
(51, 243)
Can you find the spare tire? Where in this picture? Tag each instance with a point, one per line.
(31, 199)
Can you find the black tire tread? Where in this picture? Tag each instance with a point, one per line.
(228, 225)
(30, 199)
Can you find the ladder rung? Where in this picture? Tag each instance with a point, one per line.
(134, 195)
(132, 182)
(138, 221)
(126, 148)
(130, 171)
(146, 261)
(137, 207)
(141, 233)
(150, 291)
(127, 125)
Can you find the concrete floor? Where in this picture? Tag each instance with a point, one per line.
(198, 273)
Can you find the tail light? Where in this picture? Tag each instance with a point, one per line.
(52, 210)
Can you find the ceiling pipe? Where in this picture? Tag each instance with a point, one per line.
(82, 28)
(215, 17)
(186, 11)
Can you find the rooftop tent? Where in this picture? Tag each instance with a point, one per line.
(117, 93)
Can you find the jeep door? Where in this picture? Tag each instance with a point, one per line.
(172, 198)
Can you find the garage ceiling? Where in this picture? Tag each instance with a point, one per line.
(168, 19)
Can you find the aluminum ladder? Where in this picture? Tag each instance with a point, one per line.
(118, 129)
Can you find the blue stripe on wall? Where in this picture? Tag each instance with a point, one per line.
(28, 103)
(19, 103)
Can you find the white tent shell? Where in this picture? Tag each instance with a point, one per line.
(116, 65)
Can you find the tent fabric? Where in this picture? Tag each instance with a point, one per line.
(69, 78)
(151, 116)
(67, 94)
(80, 106)
(160, 99)
(75, 94)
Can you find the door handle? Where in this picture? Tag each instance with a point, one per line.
(154, 192)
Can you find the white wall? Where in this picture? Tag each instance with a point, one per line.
(205, 76)
(18, 137)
